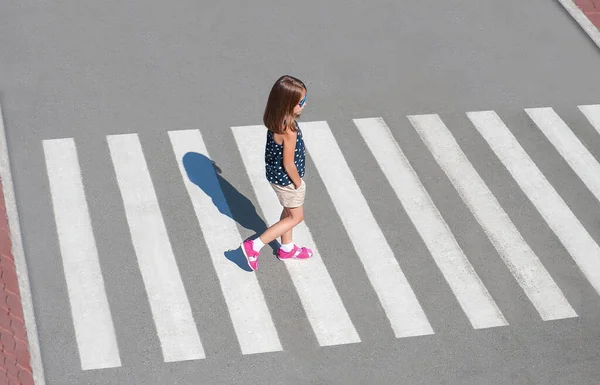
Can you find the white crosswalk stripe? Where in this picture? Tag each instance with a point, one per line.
(559, 217)
(92, 319)
(171, 310)
(251, 319)
(525, 266)
(320, 299)
(592, 113)
(324, 307)
(568, 145)
(474, 298)
(395, 293)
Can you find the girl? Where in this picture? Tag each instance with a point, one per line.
(284, 164)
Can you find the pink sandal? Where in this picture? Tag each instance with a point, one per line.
(295, 253)
(250, 254)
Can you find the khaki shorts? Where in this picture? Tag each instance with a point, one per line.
(289, 196)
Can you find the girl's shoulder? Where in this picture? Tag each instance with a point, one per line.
(294, 127)
(280, 139)
(289, 135)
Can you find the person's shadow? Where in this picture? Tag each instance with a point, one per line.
(205, 174)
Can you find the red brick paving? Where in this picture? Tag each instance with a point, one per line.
(591, 8)
(15, 368)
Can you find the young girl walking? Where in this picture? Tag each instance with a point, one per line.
(284, 165)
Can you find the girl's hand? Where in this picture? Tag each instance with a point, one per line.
(289, 147)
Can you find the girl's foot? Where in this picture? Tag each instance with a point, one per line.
(295, 253)
(250, 254)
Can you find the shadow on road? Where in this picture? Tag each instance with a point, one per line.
(205, 174)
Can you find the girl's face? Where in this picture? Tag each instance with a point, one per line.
(300, 106)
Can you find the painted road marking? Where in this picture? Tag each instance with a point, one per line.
(399, 301)
(466, 285)
(592, 113)
(555, 211)
(250, 316)
(94, 329)
(320, 299)
(568, 145)
(171, 310)
(525, 266)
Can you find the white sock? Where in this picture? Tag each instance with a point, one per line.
(287, 247)
(257, 244)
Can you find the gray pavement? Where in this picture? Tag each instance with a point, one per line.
(85, 71)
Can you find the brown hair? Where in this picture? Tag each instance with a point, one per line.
(285, 95)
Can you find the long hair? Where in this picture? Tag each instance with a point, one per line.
(285, 95)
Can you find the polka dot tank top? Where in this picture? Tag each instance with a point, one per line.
(275, 172)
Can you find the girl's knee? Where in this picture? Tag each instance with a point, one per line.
(297, 215)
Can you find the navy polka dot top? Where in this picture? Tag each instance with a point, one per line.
(274, 159)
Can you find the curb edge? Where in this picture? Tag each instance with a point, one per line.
(582, 20)
(19, 258)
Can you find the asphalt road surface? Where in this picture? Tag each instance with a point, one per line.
(453, 191)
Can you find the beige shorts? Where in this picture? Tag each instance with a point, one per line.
(289, 196)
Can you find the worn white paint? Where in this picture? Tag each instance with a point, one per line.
(525, 266)
(466, 285)
(92, 320)
(245, 301)
(534, 184)
(399, 301)
(171, 310)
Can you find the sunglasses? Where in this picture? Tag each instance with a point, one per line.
(303, 101)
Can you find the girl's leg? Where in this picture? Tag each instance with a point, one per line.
(284, 226)
(286, 237)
